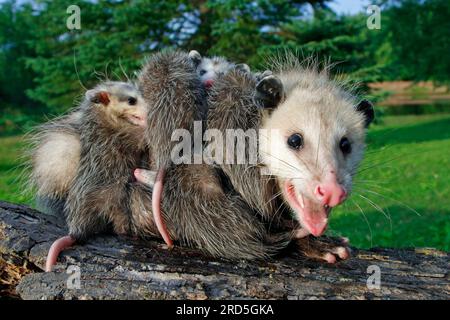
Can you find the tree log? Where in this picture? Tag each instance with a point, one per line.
(111, 267)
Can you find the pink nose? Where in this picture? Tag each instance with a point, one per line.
(208, 83)
(330, 193)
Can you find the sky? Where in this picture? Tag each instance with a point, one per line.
(340, 6)
(349, 6)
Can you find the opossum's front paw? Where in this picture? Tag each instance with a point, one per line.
(146, 177)
(269, 90)
(327, 249)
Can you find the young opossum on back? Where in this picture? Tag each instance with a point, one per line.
(199, 207)
(176, 98)
(112, 126)
(165, 107)
(209, 69)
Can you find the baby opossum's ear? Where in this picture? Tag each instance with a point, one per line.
(98, 96)
(195, 56)
(366, 107)
(243, 67)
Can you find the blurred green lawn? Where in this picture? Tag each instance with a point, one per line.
(401, 197)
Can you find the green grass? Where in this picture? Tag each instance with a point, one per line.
(406, 177)
(11, 171)
(405, 174)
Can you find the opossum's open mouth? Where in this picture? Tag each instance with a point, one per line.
(137, 120)
(312, 215)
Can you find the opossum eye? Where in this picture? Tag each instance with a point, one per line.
(202, 72)
(132, 101)
(295, 141)
(345, 146)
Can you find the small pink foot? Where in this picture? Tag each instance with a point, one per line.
(56, 248)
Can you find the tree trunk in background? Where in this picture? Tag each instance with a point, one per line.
(117, 268)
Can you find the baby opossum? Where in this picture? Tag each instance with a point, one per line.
(56, 152)
(185, 98)
(199, 207)
(209, 69)
(176, 98)
(112, 125)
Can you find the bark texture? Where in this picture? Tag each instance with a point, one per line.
(118, 268)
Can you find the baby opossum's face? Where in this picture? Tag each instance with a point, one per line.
(121, 102)
(313, 145)
(210, 68)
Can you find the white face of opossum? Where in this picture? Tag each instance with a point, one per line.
(209, 69)
(313, 144)
(121, 101)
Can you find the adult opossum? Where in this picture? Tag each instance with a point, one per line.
(310, 147)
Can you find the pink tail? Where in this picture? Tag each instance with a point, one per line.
(156, 206)
(56, 248)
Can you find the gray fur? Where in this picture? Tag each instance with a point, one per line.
(232, 106)
(176, 98)
(110, 150)
(54, 158)
(197, 207)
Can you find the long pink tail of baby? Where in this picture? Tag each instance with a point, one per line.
(57, 247)
(156, 208)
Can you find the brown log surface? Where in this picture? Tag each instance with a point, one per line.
(119, 268)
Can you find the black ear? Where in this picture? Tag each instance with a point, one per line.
(269, 91)
(366, 107)
(195, 56)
